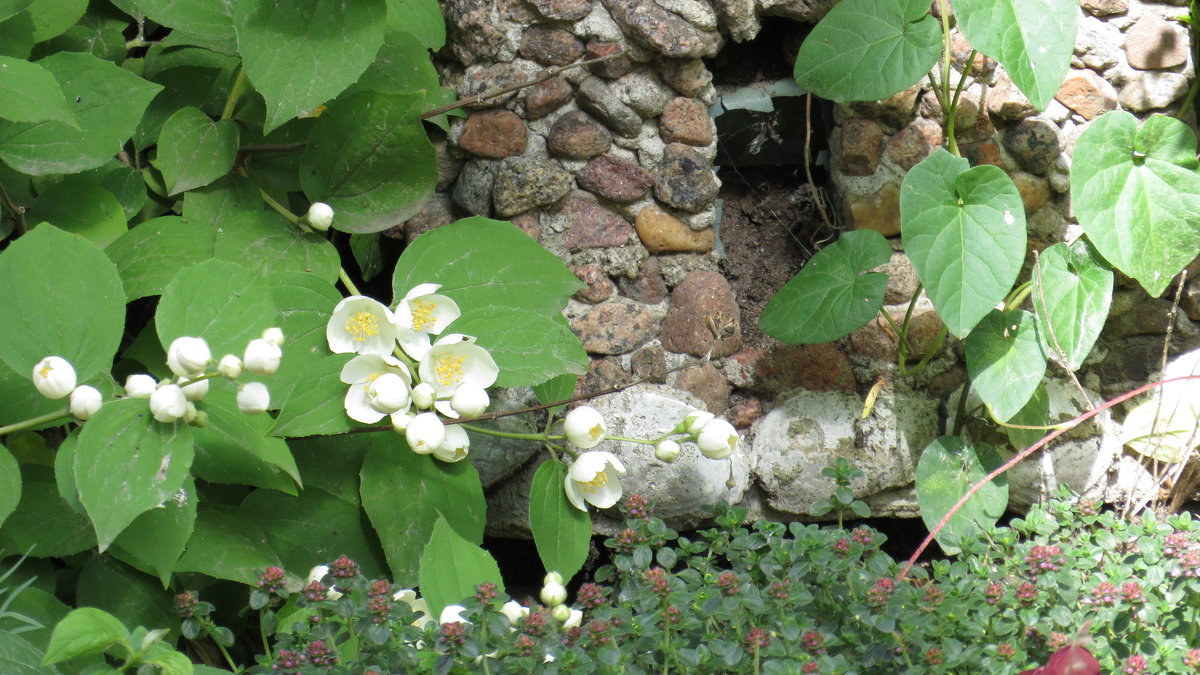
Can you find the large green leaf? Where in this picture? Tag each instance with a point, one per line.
(402, 65)
(370, 159)
(228, 545)
(1035, 413)
(151, 254)
(194, 151)
(234, 448)
(84, 631)
(29, 93)
(331, 463)
(451, 568)
(529, 348)
(865, 50)
(10, 484)
(43, 524)
(947, 469)
(154, 540)
(560, 531)
(62, 296)
(108, 102)
(1136, 193)
(404, 494)
(217, 202)
(1032, 39)
(421, 18)
(1005, 361)
(266, 241)
(483, 263)
(19, 656)
(833, 295)
(1163, 428)
(1072, 291)
(205, 23)
(127, 463)
(964, 231)
(220, 301)
(302, 53)
(313, 404)
(134, 598)
(81, 208)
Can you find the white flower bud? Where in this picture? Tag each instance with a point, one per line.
(401, 420)
(190, 414)
(514, 610)
(667, 451)
(423, 395)
(195, 391)
(253, 398)
(319, 216)
(85, 401)
(452, 614)
(573, 621)
(553, 578)
(274, 335)
(718, 439)
(317, 574)
(561, 613)
(694, 421)
(470, 400)
(200, 419)
(425, 433)
(168, 403)
(54, 377)
(454, 447)
(230, 366)
(140, 385)
(553, 594)
(262, 357)
(188, 356)
(388, 393)
(584, 427)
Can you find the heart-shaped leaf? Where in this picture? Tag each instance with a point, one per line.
(194, 151)
(1005, 361)
(1072, 291)
(947, 469)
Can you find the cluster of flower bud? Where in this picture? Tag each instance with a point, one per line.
(54, 377)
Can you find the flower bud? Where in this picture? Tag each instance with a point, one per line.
(188, 356)
(401, 420)
(85, 401)
(553, 578)
(425, 433)
(317, 574)
(553, 594)
(388, 393)
(230, 366)
(574, 620)
(190, 414)
(422, 396)
(454, 447)
(253, 398)
(694, 421)
(718, 439)
(199, 420)
(54, 377)
(262, 357)
(469, 400)
(195, 391)
(274, 335)
(513, 611)
(584, 427)
(561, 613)
(168, 403)
(140, 385)
(666, 451)
(319, 216)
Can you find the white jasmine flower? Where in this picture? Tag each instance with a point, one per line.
(319, 216)
(454, 446)
(318, 573)
(262, 357)
(361, 325)
(168, 403)
(573, 620)
(584, 427)
(54, 377)
(594, 478)
(718, 439)
(230, 366)
(253, 398)
(359, 373)
(188, 356)
(455, 360)
(388, 393)
(425, 433)
(196, 391)
(694, 421)
(85, 401)
(469, 401)
(420, 313)
(452, 614)
(140, 385)
(667, 451)
(274, 335)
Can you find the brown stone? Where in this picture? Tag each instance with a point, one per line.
(562, 10)
(902, 281)
(590, 225)
(686, 76)
(785, 368)
(895, 111)
(1034, 142)
(613, 68)
(545, 97)
(614, 178)
(648, 286)
(599, 287)
(550, 46)
(494, 134)
(662, 232)
(877, 340)
(1035, 190)
(496, 76)
(707, 384)
(616, 327)
(914, 142)
(529, 224)
(685, 179)
(986, 151)
(1104, 7)
(437, 212)
(685, 120)
(602, 375)
(702, 302)
(1087, 93)
(667, 33)
(1007, 102)
(1153, 43)
(862, 143)
(743, 414)
(879, 211)
(960, 48)
(577, 135)
(649, 363)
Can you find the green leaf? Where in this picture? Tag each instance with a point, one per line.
(422, 18)
(483, 263)
(303, 54)
(556, 389)
(133, 598)
(1072, 291)
(81, 208)
(402, 65)
(205, 23)
(151, 254)
(219, 201)
(370, 159)
(1034, 45)
(1036, 412)
(194, 151)
(560, 531)
(10, 484)
(331, 464)
(19, 656)
(1162, 429)
(127, 463)
(191, 85)
(85, 630)
(9, 8)
(947, 469)
(62, 296)
(395, 480)
(227, 545)
(1005, 361)
(107, 103)
(16, 36)
(313, 405)
(220, 301)
(129, 187)
(234, 448)
(833, 295)
(155, 540)
(29, 93)
(43, 524)
(99, 32)
(865, 50)
(367, 253)
(529, 347)
(451, 568)
(54, 17)
(964, 231)
(1137, 195)
(266, 242)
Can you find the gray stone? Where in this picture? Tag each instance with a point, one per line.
(577, 135)
(1153, 43)
(496, 76)
(1034, 143)
(643, 92)
(498, 458)
(694, 12)
(473, 190)
(1151, 90)
(665, 32)
(685, 179)
(1098, 43)
(562, 10)
(596, 97)
(522, 184)
(738, 18)
(476, 33)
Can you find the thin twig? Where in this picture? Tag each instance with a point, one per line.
(818, 196)
(18, 212)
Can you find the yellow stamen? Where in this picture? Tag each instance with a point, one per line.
(362, 325)
(596, 432)
(594, 484)
(44, 371)
(448, 370)
(422, 314)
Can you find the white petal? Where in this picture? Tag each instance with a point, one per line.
(358, 408)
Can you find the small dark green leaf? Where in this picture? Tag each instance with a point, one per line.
(43, 524)
(234, 448)
(1036, 412)
(422, 18)
(194, 151)
(220, 301)
(133, 598)
(81, 208)
(227, 545)
(560, 531)
(154, 540)
(10, 484)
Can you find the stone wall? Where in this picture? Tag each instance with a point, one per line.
(609, 166)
